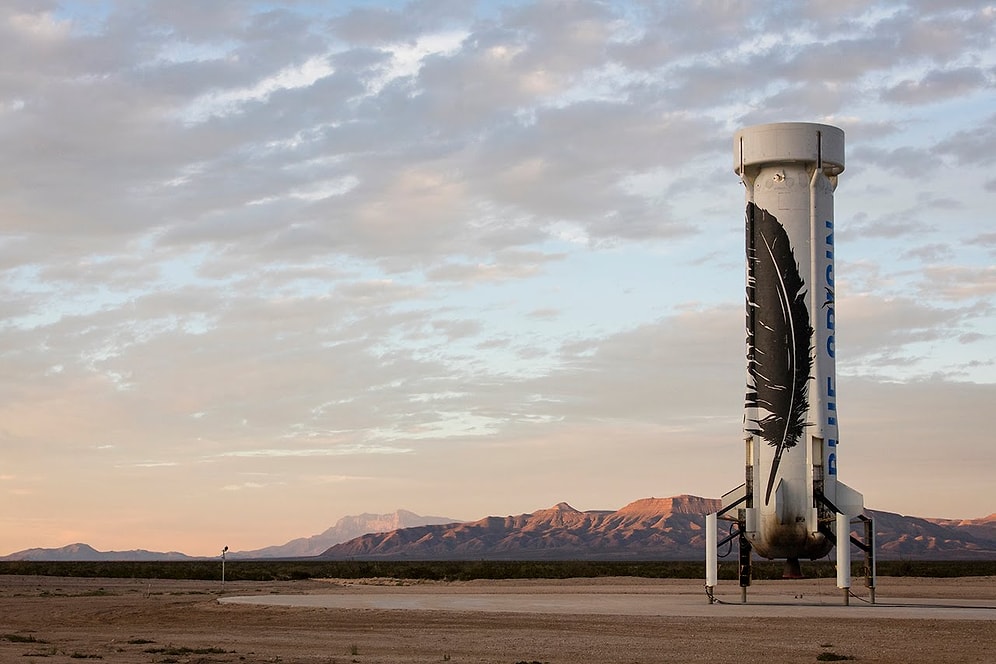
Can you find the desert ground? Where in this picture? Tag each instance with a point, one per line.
(55, 619)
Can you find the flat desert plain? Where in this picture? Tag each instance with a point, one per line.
(608, 620)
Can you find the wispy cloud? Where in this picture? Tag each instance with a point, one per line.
(244, 486)
(318, 452)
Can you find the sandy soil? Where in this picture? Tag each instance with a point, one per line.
(60, 620)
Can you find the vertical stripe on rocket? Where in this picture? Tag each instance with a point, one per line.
(779, 337)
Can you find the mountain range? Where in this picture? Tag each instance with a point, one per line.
(652, 528)
(647, 529)
(85, 552)
(345, 529)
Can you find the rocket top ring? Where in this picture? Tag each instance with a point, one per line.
(806, 142)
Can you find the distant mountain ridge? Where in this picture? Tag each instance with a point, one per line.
(646, 529)
(345, 529)
(650, 528)
(915, 538)
(85, 552)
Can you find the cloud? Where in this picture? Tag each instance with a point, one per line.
(972, 146)
(315, 452)
(930, 252)
(875, 323)
(959, 282)
(937, 85)
(512, 265)
(244, 486)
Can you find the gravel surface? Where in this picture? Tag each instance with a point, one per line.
(53, 619)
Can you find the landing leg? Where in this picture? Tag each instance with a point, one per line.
(712, 556)
(745, 570)
(844, 556)
(870, 571)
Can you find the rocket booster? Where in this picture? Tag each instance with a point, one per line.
(791, 492)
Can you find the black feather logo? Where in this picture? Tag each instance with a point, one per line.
(779, 337)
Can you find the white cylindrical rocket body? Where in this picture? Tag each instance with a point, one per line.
(790, 419)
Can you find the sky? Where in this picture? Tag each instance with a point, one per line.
(267, 264)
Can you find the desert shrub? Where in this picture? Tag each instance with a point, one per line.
(21, 638)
